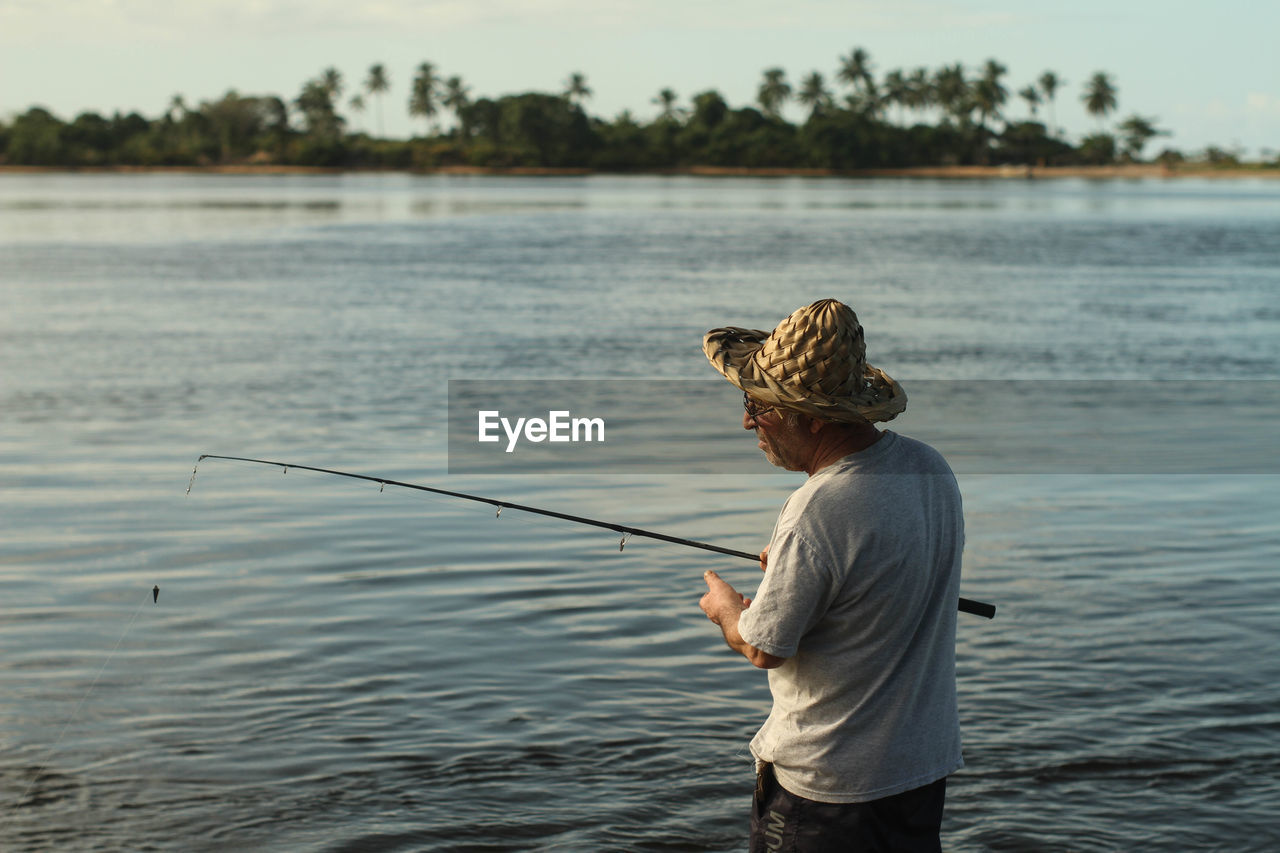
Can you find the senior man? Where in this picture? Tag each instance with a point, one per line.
(855, 618)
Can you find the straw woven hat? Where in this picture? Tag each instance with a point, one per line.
(815, 362)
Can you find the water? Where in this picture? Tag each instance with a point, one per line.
(333, 668)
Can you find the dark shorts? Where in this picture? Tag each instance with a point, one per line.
(782, 822)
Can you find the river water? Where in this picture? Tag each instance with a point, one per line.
(332, 667)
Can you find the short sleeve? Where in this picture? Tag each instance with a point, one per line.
(796, 591)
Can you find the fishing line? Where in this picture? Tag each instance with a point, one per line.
(977, 608)
(154, 594)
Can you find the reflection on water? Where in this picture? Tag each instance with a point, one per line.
(334, 668)
(164, 206)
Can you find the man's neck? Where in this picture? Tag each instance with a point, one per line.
(835, 444)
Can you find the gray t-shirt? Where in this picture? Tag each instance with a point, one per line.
(860, 598)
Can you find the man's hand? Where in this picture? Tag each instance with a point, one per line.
(723, 605)
(721, 599)
(764, 558)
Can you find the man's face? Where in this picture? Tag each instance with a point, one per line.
(785, 445)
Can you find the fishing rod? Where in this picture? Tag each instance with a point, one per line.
(966, 605)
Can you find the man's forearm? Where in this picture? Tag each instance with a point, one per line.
(724, 606)
(758, 658)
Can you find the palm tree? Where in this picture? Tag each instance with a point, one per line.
(952, 92)
(920, 93)
(855, 71)
(866, 102)
(177, 109)
(575, 88)
(1031, 95)
(375, 84)
(1049, 83)
(457, 97)
(813, 94)
(896, 91)
(331, 81)
(773, 92)
(667, 100)
(356, 104)
(1099, 96)
(985, 101)
(277, 114)
(316, 105)
(422, 97)
(989, 91)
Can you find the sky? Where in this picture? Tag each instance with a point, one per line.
(1206, 72)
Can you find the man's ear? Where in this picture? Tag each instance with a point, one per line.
(815, 425)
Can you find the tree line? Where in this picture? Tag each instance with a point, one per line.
(918, 117)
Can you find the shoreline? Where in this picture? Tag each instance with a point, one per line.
(1017, 172)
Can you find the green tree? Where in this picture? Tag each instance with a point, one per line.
(576, 89)
(709, 115)
(865, 103)
(532, 129)
(35, 139)
(181, 133)
(1027, 142)
(920, 94)
(1049, 85)
(1098, 149)
(1136, 132)
(667, 99)
(953, 93)
(663, 138)
(814, 94)
(1099, 96)
(276, 118)
(457, 97)
(236, 123)
(89, 139)
(709, 109)
(376, 84)
(989, 93)
(131, 140)
(331, 80)
(897, 91)
(844, 139)
(774, 91)
(424, 92)
(1215, 156)
(545, 130)
(356, 104)
(1031, 95)
(177, 109)
(624, 145)
(749, 138)
(480, 118)
(855, 71)
(319, 118)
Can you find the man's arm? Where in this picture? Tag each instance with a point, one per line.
(723, 605)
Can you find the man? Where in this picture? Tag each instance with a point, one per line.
(855, 618)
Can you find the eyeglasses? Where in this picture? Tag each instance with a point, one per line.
(754, 411)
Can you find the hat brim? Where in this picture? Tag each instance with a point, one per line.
(732, 350)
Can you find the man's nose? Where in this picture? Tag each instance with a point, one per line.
(748, 422)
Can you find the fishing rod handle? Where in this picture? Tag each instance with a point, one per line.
(977, 608)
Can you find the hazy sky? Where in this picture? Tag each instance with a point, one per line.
(1206, 71)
